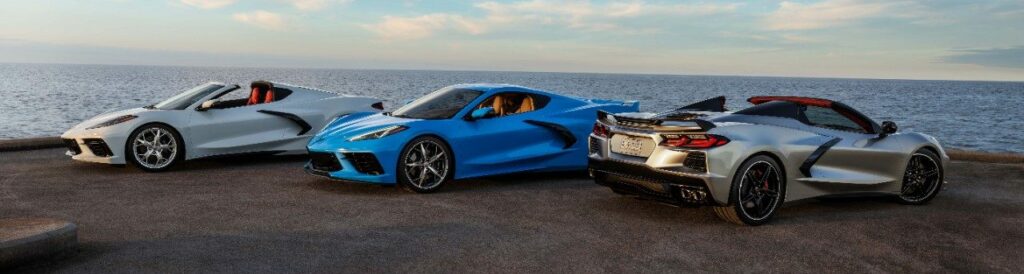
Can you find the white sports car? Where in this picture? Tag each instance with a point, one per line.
(212, 119)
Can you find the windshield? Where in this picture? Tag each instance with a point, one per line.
(441, 104)
(187, 98)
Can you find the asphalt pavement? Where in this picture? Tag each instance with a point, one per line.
(266, 215)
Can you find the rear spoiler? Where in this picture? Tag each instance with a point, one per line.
(654, 124)
(716, 104)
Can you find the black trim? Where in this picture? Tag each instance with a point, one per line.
(294, 118)
(364, 162)
(98, 147)
(716, 104)
(72, 146)
(648, 182)
(805, 168)
(322, 161)
(561, 130)
(704, 125)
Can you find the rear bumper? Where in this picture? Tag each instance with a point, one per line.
(683, 177)
(649, 183)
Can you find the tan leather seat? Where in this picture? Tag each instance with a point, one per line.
(499, 105)
(526, 105)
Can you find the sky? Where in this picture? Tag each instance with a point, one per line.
(895, 39)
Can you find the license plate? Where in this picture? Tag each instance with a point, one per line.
(632, 146)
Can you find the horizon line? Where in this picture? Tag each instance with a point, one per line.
(517, 71)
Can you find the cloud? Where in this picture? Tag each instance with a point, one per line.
(315, 5)
(418, 27)
(582, 15)
(1011, 57)
(586, 15)
(262, 19)
(636, 9)
(208, 4)
(796, 16)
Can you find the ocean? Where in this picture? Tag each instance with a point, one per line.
(46, 99)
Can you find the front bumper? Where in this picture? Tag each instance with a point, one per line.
(355, 162)
(96, 146)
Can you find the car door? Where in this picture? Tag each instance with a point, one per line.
(238, 129)
(508, 143)
(858, 156)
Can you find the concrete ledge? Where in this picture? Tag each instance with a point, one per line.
(23, 240)
(986, 157)
(30, 143)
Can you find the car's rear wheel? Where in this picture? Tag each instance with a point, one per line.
(922, 179)
(758, 190)
(425, 165)
(154, 147)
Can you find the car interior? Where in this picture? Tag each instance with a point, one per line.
(512, 103)
(261, 92)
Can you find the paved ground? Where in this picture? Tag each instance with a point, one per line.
(265, 214)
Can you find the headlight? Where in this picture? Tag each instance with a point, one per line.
(378, 133)
(114, 121)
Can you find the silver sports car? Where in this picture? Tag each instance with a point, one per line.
(212, 119)
(747, 163)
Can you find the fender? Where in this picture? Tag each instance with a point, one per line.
(562, 131)
(292, 117)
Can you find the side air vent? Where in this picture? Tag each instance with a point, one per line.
(696, 160)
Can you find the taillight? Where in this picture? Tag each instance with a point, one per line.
(378, 105)
(694, 140)
(600, 130)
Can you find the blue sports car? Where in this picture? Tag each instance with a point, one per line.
(458, 132)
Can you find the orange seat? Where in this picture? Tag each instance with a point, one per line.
(262, 93)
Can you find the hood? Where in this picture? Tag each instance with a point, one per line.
(110, 115)
(359, 123)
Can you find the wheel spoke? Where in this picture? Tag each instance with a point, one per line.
(423, 176)
(434, 171)
(768, 171)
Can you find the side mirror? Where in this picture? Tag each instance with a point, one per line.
(207, 105)
(888, 127)
(481, 113)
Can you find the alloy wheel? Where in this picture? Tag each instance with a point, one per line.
(921, 178)
(155, 148)
(759, 190)
(426, 165)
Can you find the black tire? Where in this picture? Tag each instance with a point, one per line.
(416, 171)
(922, 179)
(755, 206)
(143, 162)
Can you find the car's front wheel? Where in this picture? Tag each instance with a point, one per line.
(922, 180)
(758, 190)
(154, 147)
(425, 165)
